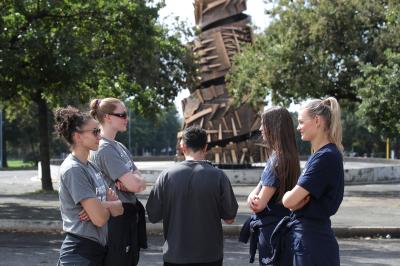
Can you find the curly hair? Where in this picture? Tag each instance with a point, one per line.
(69, 120)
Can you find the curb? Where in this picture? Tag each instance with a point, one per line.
(52, 226)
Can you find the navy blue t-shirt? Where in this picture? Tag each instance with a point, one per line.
(270, 179)
(323, 177)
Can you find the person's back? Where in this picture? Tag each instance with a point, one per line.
(191, 198)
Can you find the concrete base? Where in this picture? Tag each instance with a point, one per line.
(357, 171)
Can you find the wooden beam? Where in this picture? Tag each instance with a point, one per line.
(201, 122)
(224, 122)
(232, 146)
(216, 150)
(238, 119)
(214, 131)
(251, 159)
(244, 151)
(198, 93)
(198, 115)
(234, 127)
(256, 124)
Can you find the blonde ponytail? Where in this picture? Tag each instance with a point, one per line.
(329, 109)
(335, 125)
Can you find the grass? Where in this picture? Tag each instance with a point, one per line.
(19, 165)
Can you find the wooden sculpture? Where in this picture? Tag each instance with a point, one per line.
(224, 32)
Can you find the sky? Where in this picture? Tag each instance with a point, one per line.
(184, 9)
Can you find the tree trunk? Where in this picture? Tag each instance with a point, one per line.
(44, 151)
(4, 149)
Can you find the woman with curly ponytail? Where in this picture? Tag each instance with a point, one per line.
(86, 203)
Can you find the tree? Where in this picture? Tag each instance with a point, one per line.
(357, 139)
(311, 49)
(379, 84)
(60, 52)
(379, 87)
(155, 134)
(3, 139)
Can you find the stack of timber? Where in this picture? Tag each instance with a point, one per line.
(232, 131)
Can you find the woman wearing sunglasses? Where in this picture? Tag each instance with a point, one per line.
(86, 201)
(115, 161)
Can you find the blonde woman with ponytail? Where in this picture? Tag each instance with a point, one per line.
(319, 190)
(126, 233)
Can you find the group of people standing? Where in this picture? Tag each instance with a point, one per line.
(105, 223)
(291, 222)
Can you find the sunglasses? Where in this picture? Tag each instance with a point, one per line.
(95, 131)
(123, 115)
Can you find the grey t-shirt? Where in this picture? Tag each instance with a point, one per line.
(114, 160)
(80, 181)
(191, 198)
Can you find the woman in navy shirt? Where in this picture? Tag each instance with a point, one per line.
(321, 182)
(280, 175)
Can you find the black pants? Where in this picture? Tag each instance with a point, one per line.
(215, 263)
(122, 241)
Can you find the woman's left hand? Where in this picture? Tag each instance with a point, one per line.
(83, 216)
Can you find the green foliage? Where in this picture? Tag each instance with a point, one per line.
(357, 140)
(22, 136)
(379, 84)
(379, 88)
(349, 49)
(72, 50)
(54, 53)
(311, 49)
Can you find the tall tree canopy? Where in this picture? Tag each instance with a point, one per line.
(60, 52)
(312, 49)
(379, 84)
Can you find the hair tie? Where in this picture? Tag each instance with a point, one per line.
(98, 101)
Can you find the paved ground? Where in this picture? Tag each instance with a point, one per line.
(42, 249)
(363, 205)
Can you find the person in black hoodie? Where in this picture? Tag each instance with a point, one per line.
(191, 198)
